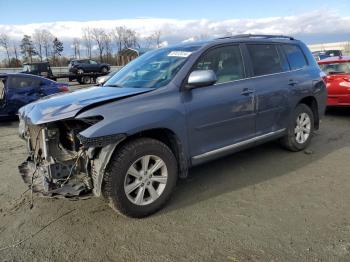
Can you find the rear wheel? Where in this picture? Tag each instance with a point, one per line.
(86, 80)
(141, 177)
(300, 129)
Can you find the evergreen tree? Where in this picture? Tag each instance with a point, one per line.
(27, 48)
(57, 47)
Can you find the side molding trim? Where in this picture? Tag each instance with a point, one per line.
(237, 145)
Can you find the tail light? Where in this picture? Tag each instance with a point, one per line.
(63, 88)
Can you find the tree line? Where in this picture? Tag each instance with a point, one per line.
(95, 43)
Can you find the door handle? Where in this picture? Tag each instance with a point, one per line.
(293, 82)
(247, 91)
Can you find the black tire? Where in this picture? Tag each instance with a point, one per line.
(290, 140)
(104, 70)
(86, 80)
(114, 179)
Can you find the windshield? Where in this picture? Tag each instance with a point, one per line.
(152, 70)
(336, 68)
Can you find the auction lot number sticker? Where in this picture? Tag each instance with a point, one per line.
(179, 53)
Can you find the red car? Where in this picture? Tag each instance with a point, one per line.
(337, 70)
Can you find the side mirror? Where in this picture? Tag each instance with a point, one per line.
(200, 78)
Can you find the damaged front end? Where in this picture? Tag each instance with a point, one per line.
(62, 162)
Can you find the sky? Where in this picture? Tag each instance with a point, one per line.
(313, 21)
(24, 12)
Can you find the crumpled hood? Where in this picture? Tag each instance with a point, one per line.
(63, 106)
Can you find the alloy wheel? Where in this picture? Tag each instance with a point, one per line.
(146, 180)
(303, 128)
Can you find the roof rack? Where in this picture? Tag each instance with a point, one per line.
(258, 36)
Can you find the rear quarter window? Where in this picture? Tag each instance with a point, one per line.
(265, 59)
(2, 88)
(295, 56)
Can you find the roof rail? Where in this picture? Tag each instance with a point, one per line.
(258, 36)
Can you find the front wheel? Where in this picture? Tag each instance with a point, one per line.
(141, 177)
(104, 70)
(300, 129)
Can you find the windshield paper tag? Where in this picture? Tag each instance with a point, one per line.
(179, 53)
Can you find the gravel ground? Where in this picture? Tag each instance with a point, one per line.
(262, 204)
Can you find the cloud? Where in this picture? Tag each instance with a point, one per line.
(316, 26)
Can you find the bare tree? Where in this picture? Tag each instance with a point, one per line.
(130, 39)
(153, 40)
(87, 37)
(76, 46)
(107, 42)
(4, 42)
(39, 42)
(47, 39)
(118, 35)
(157, 35)
(15, 52)
(99, 35)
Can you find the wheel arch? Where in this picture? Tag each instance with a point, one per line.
(311, 102)
(167, 137)
(164, 135)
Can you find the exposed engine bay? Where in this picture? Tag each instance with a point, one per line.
(59, 163)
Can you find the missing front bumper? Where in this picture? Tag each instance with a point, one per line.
(79, 186)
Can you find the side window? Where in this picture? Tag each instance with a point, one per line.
(265, 59)
(295, 56)
(23, 82)
(93, 62)
(226, 62)
(2, 88)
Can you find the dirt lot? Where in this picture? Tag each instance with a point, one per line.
(263, 204)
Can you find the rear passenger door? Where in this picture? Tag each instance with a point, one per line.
(301, 76)
(221, 114)
(21, 90)
(94, 67)
(269, 78)
(2, 96)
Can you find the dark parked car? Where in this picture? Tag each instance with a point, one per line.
(320, 55)
(169, 110)
(17, 90)
(88, 66)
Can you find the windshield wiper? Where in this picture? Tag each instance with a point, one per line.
(113, 85)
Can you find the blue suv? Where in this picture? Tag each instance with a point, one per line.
(170, 109)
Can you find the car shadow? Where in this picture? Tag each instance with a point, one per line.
(251, 167)
(9, 122)
(338, 111)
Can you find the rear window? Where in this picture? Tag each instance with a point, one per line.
(336, 68)
(265, 59)
(295, 56)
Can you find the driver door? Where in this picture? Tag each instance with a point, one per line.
(222, 114)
